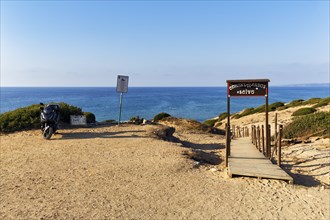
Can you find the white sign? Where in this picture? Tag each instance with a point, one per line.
(122, 83)
(78, 120)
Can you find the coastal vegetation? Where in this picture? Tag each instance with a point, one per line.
(308, 125)
(160, 116)
(322, 102)
(29, 117)
(210, 122)
(90, 117)
(216, 122)
(249, 111)
(304, 111)
(316, 102)
(278, 106)
(223, 116)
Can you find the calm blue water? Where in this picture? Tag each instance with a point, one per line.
(195, 103)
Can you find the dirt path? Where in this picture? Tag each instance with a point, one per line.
(120, 172)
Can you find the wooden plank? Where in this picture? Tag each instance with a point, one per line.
(246, 160)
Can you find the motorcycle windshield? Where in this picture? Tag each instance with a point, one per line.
(47, 110)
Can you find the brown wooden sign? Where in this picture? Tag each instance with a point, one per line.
(247, 87)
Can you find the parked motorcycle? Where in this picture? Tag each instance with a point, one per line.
(49, 118)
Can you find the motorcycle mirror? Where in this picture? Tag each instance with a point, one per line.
(41, 103)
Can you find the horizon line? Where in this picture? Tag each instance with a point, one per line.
(137, 86)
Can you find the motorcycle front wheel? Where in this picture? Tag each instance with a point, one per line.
(48, 132)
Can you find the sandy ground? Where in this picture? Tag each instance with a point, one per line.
(121, 172)
(309, 164)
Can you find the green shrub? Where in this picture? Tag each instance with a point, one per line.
(322, 102)
(161, 115)
(247, 111)
(271, 107)
(296, 102)
(29, 117)
(293, 103)
(282, 108)
(66, 110)
(275, 105)
(308, 125)
(312, 101)
(210, 122)
(304, 111)
(223, 116)
(21, 118)
(90, 117)
(235, 116)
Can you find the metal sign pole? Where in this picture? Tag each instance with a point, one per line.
(120, 107)
(122, 87)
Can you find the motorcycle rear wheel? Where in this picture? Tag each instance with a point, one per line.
(48, 132)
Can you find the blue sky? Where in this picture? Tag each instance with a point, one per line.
(163, 43)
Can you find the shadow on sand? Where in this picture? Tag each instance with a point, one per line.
(90, 135)
(302, 179)
(198, 152)
(195, 146)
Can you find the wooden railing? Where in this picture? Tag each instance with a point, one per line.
(228, 139)
(238, 131)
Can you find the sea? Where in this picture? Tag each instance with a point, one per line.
(198, 103)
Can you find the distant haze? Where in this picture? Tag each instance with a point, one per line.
(87, 43)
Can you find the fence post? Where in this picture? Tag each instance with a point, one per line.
(252, 134)
(257, 141)
(275, 133)
(237, 131)
(227, 144)
(279, 145)
(233, 131)
(269, 143)
(263, 138)
(256, 137)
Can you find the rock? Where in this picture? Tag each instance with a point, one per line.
(297, 141)
(213, 169)
(164, 133)
(307, 141)
(196, 165)
(291, 141)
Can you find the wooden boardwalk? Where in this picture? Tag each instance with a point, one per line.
(246, 160)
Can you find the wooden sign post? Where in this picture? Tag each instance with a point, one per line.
(247, 88)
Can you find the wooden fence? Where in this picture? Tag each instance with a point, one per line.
(258, 138)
